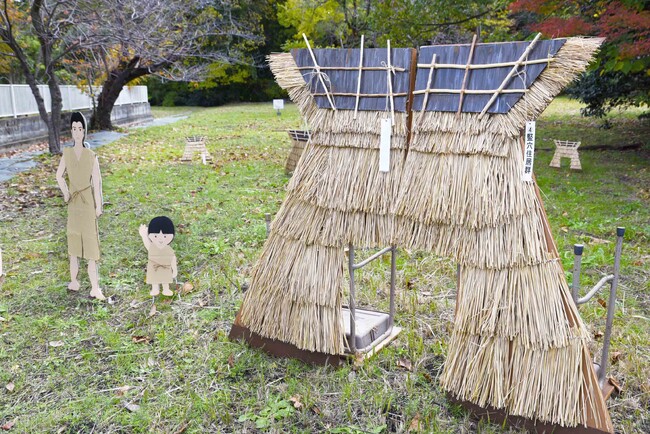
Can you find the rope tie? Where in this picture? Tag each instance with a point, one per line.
(77, 194)
(389, 68)
(157, 266)
(317, 74)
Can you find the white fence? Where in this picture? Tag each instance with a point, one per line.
(18, 100)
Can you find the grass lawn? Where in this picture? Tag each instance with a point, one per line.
(69, 364)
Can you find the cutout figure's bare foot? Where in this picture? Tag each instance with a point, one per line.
(74, 285)
(168, 292)
(154, 291)
(97, 294)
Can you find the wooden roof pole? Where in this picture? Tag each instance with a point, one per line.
(462, 87)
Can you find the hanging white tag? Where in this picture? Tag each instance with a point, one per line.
(529, 151)
(384, 145)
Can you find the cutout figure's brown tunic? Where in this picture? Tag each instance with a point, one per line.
(83, 234)
(159, 267)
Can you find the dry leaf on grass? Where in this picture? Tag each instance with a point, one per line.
(615, 384)
(187, 288)
(598, 334)
(415, 424)
(182, 429)
(140, 339)
(616, 356)
(602, 302)
(153, 310)
(8, 425)
(55, 344)
(594, 240)
(231, 360)
(10, 387)
(131, 407)
(405, 363)
(296, 401)
(122, 390)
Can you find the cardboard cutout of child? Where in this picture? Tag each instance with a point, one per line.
(83, 194)
(161, 267)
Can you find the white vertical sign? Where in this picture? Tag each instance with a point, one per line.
(384, 145)
(529, 151)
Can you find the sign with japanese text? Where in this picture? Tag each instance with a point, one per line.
(529, 151)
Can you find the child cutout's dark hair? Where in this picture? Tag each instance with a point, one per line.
(161, 224)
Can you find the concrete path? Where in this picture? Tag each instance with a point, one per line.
(25, 160)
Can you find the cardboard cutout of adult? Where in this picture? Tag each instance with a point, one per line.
(83, 194)
(161, 265)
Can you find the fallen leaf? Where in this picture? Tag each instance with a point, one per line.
(153, 310)
(315, 409)
(10, 387)
(564, 229)
(602, 302)
(8, 425)
(427, 377)
(132, 407)
(594, 240)
(615, 384)
(182, 429)
(405, 363)
(598, 334)
(122, 390)
(616, 356)
(187, 288)
(140, 339)
(231, 360)
(296, 401)
(55, 344)
(415, 424)
(201, 302)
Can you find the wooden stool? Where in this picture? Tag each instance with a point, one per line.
(193, 145)
(564, 148)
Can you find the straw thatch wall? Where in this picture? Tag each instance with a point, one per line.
(299, 141)
(518, 341)
(336, 195)
(454, 190)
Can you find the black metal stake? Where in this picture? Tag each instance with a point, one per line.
(611, 306)
(577, 260)
(352, 343)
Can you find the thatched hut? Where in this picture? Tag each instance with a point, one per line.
(454, 187)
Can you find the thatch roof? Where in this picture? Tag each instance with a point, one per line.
(454, 188)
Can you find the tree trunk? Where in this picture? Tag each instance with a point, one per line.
(54, 129)
(117, 79)
(53, 121)
(110, 92)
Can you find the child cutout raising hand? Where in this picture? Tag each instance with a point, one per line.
(161, 267)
